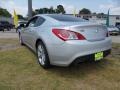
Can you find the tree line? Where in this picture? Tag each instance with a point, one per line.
(4, 12)
(59, 10)
(51, 10)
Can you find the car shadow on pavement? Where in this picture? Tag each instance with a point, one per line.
(80, 70)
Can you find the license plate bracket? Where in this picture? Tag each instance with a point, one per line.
(98, 56)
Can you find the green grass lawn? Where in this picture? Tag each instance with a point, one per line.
(19, 70)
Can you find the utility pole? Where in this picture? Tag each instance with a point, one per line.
(29, 9)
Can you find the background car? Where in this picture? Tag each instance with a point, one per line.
(113, 30)
(118, 26)
(5, 25)
(63, 39)
(20, 25)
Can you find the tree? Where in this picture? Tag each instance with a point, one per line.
(85, 11)
(60, 9)
(33, 13)
(45, 10)
(4, 12)
(101, 14)
(41, 11)
(38, 11)
(51, 10)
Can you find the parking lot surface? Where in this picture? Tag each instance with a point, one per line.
(8, 34)
(116, 39)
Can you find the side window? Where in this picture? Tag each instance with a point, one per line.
(32, 22)
(39, 21)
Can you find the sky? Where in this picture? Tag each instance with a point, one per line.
(70, 5)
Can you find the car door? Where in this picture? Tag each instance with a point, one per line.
(27, 33)
(34, 34)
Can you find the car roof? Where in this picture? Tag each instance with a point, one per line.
(61, 17)
(49, 15)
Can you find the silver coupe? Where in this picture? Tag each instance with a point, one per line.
(64, 39)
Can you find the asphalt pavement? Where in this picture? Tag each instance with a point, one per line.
(116, 39)
(8, 34)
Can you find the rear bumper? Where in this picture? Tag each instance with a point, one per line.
(113, 32)
(91, 57)
(65, 54)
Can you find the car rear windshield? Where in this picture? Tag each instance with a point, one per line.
(66, 18)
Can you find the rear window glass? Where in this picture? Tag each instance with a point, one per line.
(39, 21)
(67, 18)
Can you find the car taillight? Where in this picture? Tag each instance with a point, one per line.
(67, 35)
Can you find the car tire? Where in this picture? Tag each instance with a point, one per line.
(42, 55)
(20, 40)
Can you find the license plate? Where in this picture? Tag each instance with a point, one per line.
(98, 56)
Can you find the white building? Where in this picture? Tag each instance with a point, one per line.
(113, 19)
(10, 20)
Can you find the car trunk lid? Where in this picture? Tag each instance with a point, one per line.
(91, 31)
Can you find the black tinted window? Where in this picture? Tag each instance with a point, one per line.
(32, 22)
(66, 18)
(4, 22)
(39, 21)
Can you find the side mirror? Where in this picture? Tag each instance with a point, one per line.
(22, 25)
